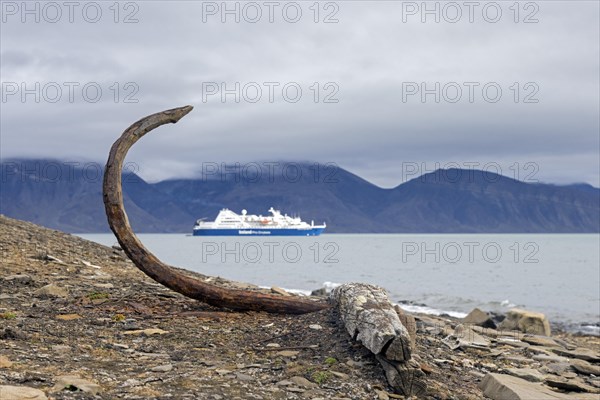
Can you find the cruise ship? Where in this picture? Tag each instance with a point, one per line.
(228, 223)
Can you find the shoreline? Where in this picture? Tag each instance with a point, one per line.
(79, 315)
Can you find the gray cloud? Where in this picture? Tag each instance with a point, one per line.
(369, 55)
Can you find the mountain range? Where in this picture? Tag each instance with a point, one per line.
(68, 197)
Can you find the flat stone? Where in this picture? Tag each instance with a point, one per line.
(340, 375)
(529, 374)
(570, 385)
(316, 327)
(506, 387)
(582, 354)
(547, 358)
(20, 279)
(287, 353)
(162, 368)
(540, 341)
(147, 332)
(51, 290)
(68, 317)
(73, 381)
(581, 366)
(280, 291)
(512, 342)
(244, 377)
(557, 368)
(464, 337)
(21, 393)
(303, 382)
(61, 348)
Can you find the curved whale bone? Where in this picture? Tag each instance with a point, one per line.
(240, 300)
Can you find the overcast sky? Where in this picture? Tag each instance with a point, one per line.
(517, 87)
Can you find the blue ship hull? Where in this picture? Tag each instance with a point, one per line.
(258, 232)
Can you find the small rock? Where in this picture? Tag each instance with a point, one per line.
(273, 345)
(51, 290)
(131, 383)
(381, 395)
(319, 292)
(316, 327)
(582, 354)
(244, 377)
(288, 353)
(68, 317)
(89, 264)
(147, 332)
(529, 374)
(526, 321)
(104, 285)
(503, 387)
(582, 366)
(464, 337)
(479, 318)
(12, 334)
(570, 385)
(545, 357)
(557, 368)
(540, 341)
(340, 375)
(71, 382)
(162, 368)
(21, 393)
(48, 257)
(59, 348)
(18, 279)
(303, 382)
(5, 362)
(278, 290)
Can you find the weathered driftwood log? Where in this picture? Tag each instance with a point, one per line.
(371, 319)
(240, 300)
(405, 377)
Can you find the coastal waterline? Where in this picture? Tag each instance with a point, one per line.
(557, 274)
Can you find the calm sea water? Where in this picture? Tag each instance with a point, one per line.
(556, 274)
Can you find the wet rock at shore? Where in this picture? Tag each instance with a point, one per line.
(479, 318)
(526, 321)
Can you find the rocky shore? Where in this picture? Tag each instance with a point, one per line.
(79, 321)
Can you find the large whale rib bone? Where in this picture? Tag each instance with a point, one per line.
(240, 300)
